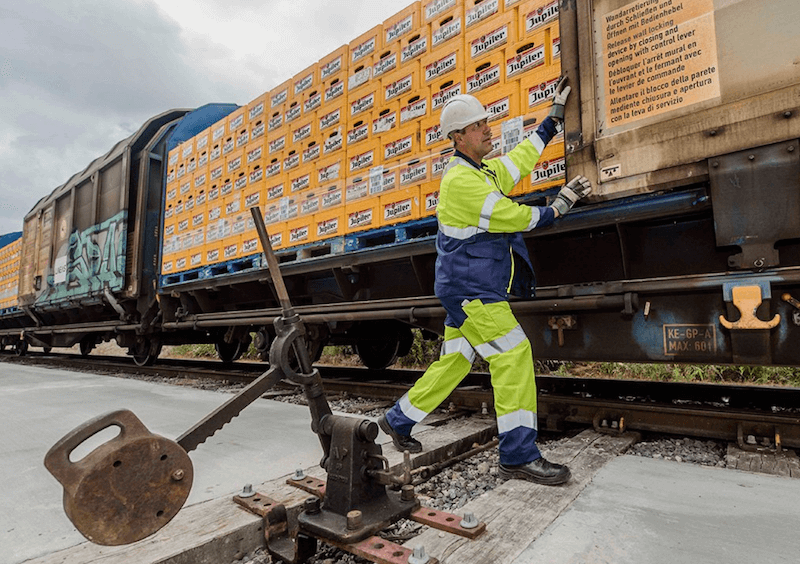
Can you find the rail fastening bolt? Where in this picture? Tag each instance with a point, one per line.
(418, 556)
(299, 474)
(178, 475)
(247, 491)
(312, 505)
(407, 493)
(469, 521)
(354, 519)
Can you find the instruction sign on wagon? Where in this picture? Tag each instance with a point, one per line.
(657, 56)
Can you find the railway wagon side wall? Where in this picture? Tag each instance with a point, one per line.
(660, 86)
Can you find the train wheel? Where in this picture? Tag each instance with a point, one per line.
(145, 352)
(380, 343)
(229, 352)
(86, 345)
(21, 347)
(406, 338)
(47, 350)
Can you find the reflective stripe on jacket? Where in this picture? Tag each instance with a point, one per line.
(480, 227)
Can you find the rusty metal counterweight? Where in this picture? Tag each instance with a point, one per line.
(133, 485)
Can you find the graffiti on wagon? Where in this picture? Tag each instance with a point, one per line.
(90, 261)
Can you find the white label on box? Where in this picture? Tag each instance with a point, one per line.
(414, 49)
(298, 234)
(362, 104)
(384, 65)
(376, 180)
(489, 42)
(279, 98)
(328, 227)
(330, 69)
(413, 173)
(397, 148)
(512, 130)
(363, 160)
(332, 199)
(483, 79)
(398, 87)
(414, 110)
(525, 61)
(303, 84)
(482, 11)
(433, 9)
(446, 32)
(384, 123)
(395, 210)
(549, 170)
(329, 173)
(399, 29)
(330, 119)
(333, 143)
(256, 111)
(60, 270)
(313, 102)
(440, 98)
(334, 91)
(360, 218)
(499, 108)
(311, 153)
(364, 49)
(541, 16)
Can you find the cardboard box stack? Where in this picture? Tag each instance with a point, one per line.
(352, 142)
(9, 274)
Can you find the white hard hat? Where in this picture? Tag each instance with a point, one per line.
(461, 111)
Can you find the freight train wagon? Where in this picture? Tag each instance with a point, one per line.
(87, 265)
(684, 115)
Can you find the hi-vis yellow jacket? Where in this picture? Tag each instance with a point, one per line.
(480, 228)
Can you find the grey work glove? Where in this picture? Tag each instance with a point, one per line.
(577, 188)
(560, 99)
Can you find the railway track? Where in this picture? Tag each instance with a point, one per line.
(743, 414)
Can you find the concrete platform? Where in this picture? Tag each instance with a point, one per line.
(38, 406)
(645, 511)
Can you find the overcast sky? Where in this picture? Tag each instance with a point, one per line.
(76, 76)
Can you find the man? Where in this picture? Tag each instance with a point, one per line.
(481, 260)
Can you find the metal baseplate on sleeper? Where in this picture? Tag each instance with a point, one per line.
(286, 535)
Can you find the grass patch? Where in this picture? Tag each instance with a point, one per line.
(424, 352)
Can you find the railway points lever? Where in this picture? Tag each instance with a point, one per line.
(133, 485)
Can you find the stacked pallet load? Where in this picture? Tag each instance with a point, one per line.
(350, 146)
(9, 275)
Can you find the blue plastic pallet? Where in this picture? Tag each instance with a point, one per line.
(213, 270)
(391, 235)
(9, 310)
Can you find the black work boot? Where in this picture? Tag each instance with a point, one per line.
(540, 471)
(401, 442)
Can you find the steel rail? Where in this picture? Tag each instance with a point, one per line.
(713, 411)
